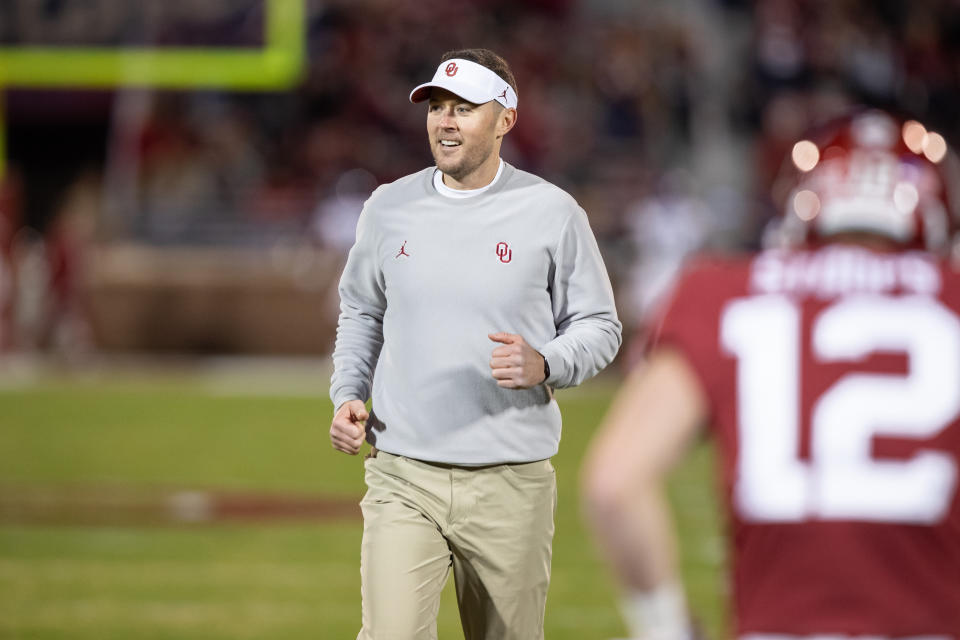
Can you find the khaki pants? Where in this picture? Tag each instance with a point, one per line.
(493, 525)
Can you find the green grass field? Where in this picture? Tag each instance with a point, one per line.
(273, 579)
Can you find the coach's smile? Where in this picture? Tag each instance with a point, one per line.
(449, 146)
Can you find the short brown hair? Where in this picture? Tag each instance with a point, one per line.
(485, 58)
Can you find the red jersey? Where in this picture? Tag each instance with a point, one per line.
(833, 379)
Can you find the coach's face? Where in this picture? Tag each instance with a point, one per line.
(465, 137)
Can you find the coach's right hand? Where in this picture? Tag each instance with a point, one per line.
(348, 429)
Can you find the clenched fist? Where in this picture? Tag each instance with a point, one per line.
(515, 364)
(348, 429)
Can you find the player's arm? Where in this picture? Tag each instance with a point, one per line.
(650, 424)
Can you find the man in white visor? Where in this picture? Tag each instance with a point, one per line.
(472, 291)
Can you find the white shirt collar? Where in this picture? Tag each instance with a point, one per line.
(444, 190)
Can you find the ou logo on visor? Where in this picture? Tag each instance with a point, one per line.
(504, 252)
(452, 69)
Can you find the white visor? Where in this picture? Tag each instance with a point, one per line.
(471, 81)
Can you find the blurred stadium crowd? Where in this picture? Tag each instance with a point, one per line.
(667, 120)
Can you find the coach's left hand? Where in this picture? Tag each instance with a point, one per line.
(515, 364)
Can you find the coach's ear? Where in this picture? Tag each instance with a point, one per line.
(505, 120)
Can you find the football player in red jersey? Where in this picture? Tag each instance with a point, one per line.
(828, 374)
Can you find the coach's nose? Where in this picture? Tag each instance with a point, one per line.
(447, 121)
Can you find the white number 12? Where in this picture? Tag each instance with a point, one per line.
(842, 481)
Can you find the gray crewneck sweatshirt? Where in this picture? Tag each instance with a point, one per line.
(429, 277)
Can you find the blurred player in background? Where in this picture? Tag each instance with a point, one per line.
(473, 289)
(828, 372)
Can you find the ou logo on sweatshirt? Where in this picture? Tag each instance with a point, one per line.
(504, 252)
